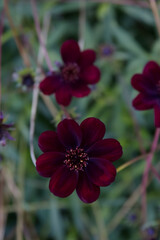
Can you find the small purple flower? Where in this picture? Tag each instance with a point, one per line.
(74, 75)
(148, 84)
(4, 131)
(107, 50)
(77, 157)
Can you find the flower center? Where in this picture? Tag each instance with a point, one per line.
(28, 80)
(70, 72)
(76, 159)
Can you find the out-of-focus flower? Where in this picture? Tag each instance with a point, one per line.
(4, 131)
(106, 51)
(77, 157)
(73, 76)
(25, 78)
(148, 84)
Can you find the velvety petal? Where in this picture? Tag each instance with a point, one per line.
(101, 172)
(70, 51)
(63, 182)
(92, 130)
(50, 84)
(157, 116)
(80, 90)
(152, 71)
(109, 149)
(87, 58)
(143, 84)
(69, 133)
(142, 102)
(63, 96)
(91, 75)
(48, 142)
(49, 162)
(86, 190)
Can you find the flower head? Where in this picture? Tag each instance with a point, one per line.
(4, 131)
(148, 84)
(77, 157)
(25, 78)
(74, 75)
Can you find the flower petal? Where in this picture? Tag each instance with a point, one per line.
(87, 58)
(86, 190)
(50, 84)
(91, 75)
(69, 133)
(70, 51)
(48, 142)
(63, 96)
(143, 102)
(63, 182)
(49, 162)
(143, 84)
(152, 71)
(157, 116)
(92, 130)
(80, 90)
(101, 172)
(110, 149)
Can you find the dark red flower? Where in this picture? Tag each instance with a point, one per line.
(76, 157)
(74, 75)
(148, 84)
(4, 131)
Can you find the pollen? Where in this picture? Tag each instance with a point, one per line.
(70, 72)
(76, 159)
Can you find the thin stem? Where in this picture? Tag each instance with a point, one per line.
(2, 212)
(32, 121)
(82, 22)
(1, 31)
(36, 90)
(146, 173)
(154, 8)
(38, 30)
(124, 209)
(15, 34)
(127, 164)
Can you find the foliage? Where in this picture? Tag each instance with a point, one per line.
(36, 213)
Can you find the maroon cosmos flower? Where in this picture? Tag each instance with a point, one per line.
(4, 131)
(76, 157)
(148, 84)
(74, 75)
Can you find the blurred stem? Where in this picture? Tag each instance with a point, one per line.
(2, 212)
(124, 209)
(102, 231)
(146, 173)
(22, 51)
(15, 34)
(82, 22)
(36, 89)
(127, 164)
(20, 199)
(154, 8)
(1, 31)
(38, 30)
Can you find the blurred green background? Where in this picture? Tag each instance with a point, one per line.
(124, 38)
